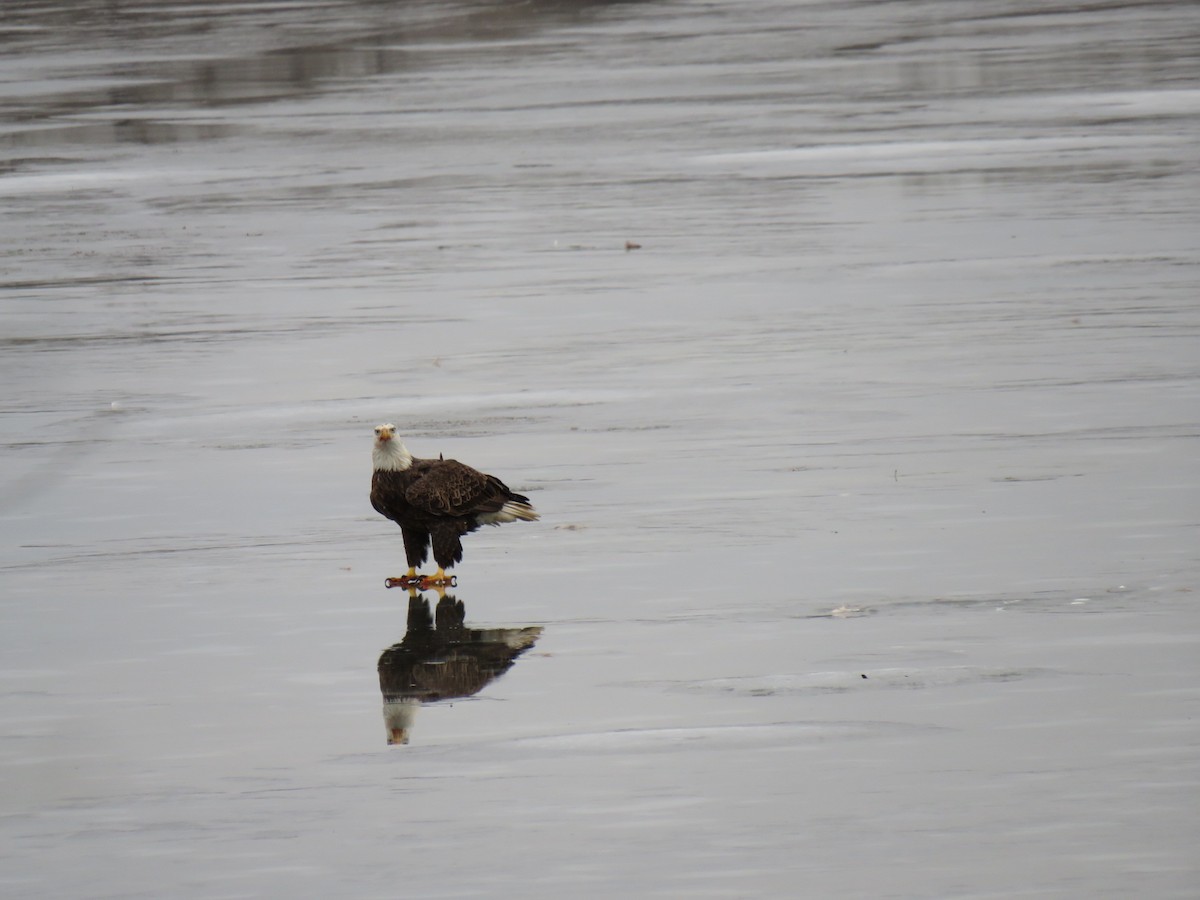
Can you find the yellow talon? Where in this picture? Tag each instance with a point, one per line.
(421, 582)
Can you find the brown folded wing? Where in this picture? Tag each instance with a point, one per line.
(450, 488)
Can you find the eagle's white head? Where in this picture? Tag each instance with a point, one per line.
(389, 453)
(398, 715)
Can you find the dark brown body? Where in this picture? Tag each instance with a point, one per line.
(442, 659)
(435, 502)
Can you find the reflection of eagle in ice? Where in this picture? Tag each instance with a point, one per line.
(445, 661)
(437, 501)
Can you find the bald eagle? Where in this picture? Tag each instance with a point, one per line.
(437, 501)
(441, 658)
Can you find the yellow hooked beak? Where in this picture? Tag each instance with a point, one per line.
(397, 736)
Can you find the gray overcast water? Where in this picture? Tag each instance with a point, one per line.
(869, 473)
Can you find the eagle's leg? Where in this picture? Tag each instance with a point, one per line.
(416, 549)
(447, 550)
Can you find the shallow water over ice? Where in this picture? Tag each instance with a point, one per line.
(868, 473)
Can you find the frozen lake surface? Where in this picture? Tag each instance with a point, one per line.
(869, 473)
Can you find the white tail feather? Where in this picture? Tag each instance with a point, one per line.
(511, 511)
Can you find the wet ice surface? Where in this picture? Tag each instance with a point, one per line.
(869, 482)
